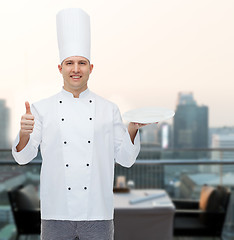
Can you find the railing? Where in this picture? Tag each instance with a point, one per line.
(181, 178)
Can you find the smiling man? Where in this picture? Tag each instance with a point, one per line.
(81, 137)
(75, 71)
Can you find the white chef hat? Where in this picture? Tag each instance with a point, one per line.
(73, 33)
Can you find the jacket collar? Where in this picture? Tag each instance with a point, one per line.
(83, 94)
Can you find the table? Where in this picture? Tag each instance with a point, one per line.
(146, 220)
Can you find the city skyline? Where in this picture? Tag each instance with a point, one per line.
(170, 121)
(144, 54)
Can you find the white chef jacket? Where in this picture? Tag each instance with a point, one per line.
(80, 141)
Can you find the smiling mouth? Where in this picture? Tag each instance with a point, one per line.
(75, 77)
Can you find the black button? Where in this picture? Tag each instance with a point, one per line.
(85, 188)
(67, 165)
(60, 101)
(87, 164)
(65, 142)
(69, 188)
(90, 101)
(90, 118)
(62, 119)
(88, 141)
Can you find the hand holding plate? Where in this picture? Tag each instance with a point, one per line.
(136, 125)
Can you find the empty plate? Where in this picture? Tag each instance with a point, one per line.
(148, 115)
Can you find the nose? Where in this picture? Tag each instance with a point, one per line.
(76, 68)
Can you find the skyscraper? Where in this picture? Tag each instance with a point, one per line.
(190, 124)
(4, 125)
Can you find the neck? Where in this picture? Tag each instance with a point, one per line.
(76, 92)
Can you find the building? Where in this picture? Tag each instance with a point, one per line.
(4, 125)
(159, 134)
(190, 126)
(166, 135)
(219, 131)
(149, 134)
(224, 141)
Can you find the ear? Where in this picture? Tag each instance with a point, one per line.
(91, 68)
(60, 68)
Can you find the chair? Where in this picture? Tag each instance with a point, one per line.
(202, 218)
(25, 205)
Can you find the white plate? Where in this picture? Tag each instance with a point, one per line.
(148, 115)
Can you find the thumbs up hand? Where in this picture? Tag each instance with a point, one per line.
(27, 122)
(28, 110)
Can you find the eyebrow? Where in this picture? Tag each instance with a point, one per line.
(82, 60)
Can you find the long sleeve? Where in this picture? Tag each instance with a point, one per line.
(125, 152)
(29, 152)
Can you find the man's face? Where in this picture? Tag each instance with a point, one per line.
(75, 71)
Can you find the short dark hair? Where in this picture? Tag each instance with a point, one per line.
(64, 59)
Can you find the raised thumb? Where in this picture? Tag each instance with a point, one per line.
(28, 110)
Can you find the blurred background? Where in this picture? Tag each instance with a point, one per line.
(174, 54)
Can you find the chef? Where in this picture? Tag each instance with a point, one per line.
(81, 137)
